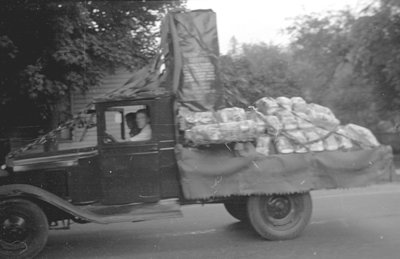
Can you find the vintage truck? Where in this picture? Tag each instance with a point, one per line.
(125, 181)
(118, 180)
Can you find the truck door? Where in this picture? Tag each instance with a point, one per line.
(128, 163)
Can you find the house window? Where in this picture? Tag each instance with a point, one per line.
(127, 124)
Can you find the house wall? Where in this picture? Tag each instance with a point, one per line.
(79, 101)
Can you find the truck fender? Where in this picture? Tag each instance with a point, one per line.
(29, 191)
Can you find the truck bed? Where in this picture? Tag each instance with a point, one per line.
(219, 172)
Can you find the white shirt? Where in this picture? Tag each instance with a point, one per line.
(145, 134)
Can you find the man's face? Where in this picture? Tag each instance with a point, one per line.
(141, 120)
(130, 124)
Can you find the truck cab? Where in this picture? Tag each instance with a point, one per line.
(137, 171)
(117, 170)
(118, 180)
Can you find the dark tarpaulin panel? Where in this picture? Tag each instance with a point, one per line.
(190, 41)
(217, 172)
(145, 83)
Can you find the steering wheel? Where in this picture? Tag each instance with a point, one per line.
(108, 138)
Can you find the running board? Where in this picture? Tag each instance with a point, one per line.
(169, 208)
(133, 212)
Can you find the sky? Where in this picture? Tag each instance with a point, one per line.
(252, 21)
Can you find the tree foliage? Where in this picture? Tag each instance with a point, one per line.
(322, 48)
(376, 51)
(347, 61)
(256, 70)
(319, 46)
(49, 48)
(356, 58)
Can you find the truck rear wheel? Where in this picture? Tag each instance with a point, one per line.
(23, 229)
(238, 210)
(279, 217)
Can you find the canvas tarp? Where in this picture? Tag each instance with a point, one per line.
(145, 83)
(218, 172)
(190, 57)
(190, 44)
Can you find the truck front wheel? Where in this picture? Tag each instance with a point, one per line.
(279, 217)
(23, 229)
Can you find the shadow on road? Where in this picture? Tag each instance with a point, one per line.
(122, 242)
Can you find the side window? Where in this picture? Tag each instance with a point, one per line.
(127, 124)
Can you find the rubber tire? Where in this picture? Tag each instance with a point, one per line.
(269, 231)
(37, 221)
(237, 210)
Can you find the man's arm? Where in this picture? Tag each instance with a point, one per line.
(145, 134)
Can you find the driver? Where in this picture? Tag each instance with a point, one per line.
(143, 123)
(130, 119)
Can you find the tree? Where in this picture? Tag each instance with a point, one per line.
(258, 70)
(49, 48)
(322, 44)
(233, 46)
(376, 52)
(356, 59)
(323, 49)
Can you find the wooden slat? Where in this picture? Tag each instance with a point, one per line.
(80, 101)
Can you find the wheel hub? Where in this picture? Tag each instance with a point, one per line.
(279, 207)
(14, 233)
(279, 210)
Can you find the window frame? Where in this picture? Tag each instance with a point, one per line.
(103, 107)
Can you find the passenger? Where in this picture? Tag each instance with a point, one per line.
(143, 123)
(131, 123)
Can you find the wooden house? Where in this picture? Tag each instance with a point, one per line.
(78, 100)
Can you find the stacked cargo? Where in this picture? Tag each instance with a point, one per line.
(306, 127)
(282, 125)
(224, 126)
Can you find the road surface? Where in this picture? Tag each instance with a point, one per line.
(357, 223)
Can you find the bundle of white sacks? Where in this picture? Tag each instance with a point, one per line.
(223, 126)
(296, 126)
(282, 125)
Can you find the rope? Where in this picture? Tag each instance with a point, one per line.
(330, 131)
(53, 133)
